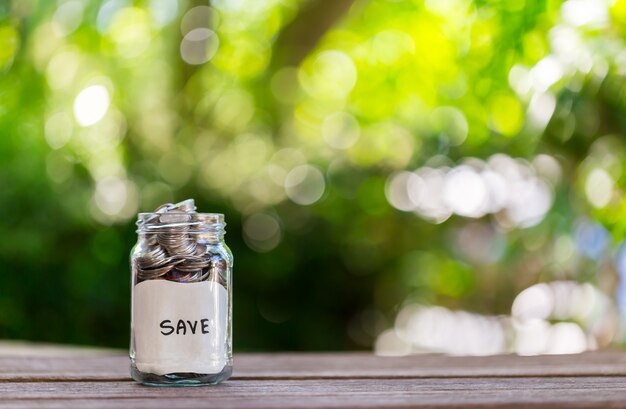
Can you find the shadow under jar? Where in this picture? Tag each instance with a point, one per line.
(181, 308)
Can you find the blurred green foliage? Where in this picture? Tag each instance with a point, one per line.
(294, 118)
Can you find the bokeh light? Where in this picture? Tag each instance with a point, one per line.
(511, 189)
(91, 104)
(305, 184)
(560, 317)
(199, 46)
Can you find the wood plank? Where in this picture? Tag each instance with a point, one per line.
(104, 368)
(41, 349)
(114, 366)
(601, 392)
(321, 403)
(364, 365)
(59, 377)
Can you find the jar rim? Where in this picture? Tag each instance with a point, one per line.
(200, 222)
(201, 214)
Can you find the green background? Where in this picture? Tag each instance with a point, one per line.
(293, 118)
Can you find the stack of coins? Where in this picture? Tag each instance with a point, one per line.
(174, 250)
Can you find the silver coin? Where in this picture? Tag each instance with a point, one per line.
(174, 251)
(174, 217)
(187, 206)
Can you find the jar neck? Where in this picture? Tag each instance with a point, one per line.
(207, 236)
(206, 226)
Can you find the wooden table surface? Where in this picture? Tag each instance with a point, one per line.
(65, 377)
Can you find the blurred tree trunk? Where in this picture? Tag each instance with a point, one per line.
(302, 34)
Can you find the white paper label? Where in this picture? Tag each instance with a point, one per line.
(180, 327)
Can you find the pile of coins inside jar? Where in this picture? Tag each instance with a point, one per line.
(174, 249)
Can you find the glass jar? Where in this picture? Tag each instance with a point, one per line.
(181, 324)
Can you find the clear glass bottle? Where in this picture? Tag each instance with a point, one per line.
(181, 308)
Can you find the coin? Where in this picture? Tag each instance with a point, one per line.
(175, 251)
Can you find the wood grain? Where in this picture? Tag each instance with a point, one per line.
(67, 377)
(114, 366)
(365, 365)
(419, 393)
